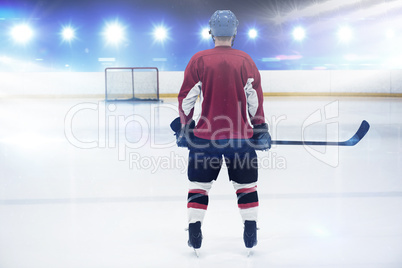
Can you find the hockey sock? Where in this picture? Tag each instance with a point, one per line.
(247, 200)
(197, 201)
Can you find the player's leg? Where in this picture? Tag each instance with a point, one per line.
(203, 169)
(247, 200)
(243, 172)
(197, 204)
(197, 201)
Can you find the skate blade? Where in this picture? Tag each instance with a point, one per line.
(249, 253)
(196, 253)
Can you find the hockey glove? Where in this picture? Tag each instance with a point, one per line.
(183, 134)
(261, 139)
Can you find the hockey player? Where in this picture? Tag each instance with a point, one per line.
(228, 84)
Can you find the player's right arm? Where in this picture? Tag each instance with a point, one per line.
(254, 93)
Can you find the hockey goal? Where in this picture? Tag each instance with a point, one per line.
(131, 84)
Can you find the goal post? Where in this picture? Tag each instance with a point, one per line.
(132, 84)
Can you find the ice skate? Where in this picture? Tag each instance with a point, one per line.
(195, 236)
(250, 234)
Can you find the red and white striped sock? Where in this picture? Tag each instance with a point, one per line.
(247, 200)
(197, 201)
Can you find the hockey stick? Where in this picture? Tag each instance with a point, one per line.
(361, 132)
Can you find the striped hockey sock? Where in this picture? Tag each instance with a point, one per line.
(197, 201)
(247, 200)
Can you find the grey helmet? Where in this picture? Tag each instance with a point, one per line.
(223, 23)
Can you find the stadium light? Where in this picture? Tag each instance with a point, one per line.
(160, 33)
(252, 33)
(205, 33)
(114, 33)
(68, 33)
(22, 33)
(345, 34)
(298, 33)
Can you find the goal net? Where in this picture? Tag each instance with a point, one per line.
(132, 83)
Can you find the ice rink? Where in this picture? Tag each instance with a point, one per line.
(85, 183)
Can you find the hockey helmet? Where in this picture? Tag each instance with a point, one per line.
(223, 23)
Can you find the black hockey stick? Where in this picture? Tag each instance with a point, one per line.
(361, 132)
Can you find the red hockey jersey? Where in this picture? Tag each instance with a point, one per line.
(229, 87)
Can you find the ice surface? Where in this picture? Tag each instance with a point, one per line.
(89, 184)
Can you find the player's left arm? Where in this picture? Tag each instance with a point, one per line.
(189, 92)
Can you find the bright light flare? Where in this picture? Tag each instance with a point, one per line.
(114, 33)
(299, 33)
(22, 33)
(68, 33)
(160, 33)
(345, 34)
(252, 33)
(205, 33)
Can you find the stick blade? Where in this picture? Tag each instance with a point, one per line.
(360, 133)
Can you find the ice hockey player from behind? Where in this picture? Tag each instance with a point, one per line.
(230, 128)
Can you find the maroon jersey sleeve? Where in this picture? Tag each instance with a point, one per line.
(189, 92)
(254, 93)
